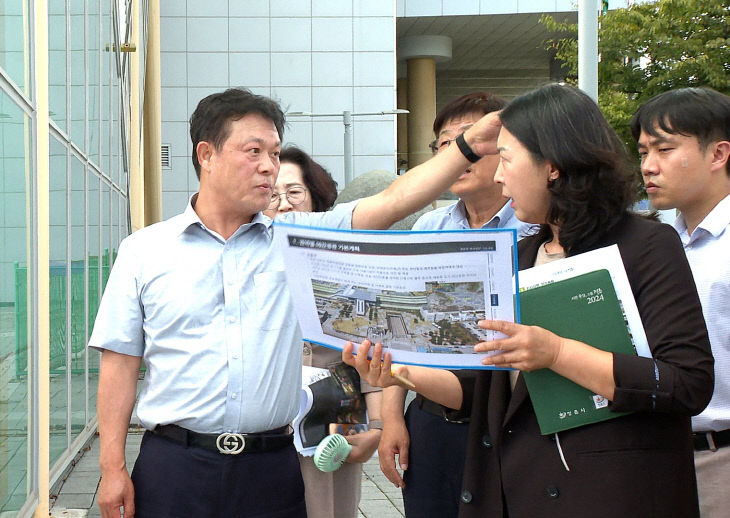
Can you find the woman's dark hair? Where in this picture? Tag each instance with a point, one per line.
(474, 102)
(596, 185)
(211, 120)
(322, 188)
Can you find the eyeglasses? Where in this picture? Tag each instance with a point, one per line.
(436, 146)
(439, 145)
(295, 195)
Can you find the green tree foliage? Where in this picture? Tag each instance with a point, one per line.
(650, 48)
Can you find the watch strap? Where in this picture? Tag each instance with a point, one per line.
(375, 424)
(468, 152)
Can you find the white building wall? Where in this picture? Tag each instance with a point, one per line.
(407, 8)
(475, 7)
(316, 56)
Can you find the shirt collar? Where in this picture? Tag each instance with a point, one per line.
(505, 214)
(458, 213)
(190, 217)
(714, 223)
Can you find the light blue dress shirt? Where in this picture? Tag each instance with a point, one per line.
(213, 320)
(453, 217)
(708, 253)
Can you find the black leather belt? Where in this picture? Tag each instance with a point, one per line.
(434, 408)
(228, 443)
(711, 440)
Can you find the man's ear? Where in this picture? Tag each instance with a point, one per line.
(204, 151)
(720, 155)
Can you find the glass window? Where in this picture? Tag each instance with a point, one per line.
(77, 72)
(58, 289)
(106, 233)
(94, 237)
(107, 57)
(93, 60)
(14, 48)
(57, 80)
(116, 236)
(116, 131)
(78, 296)
(94, 293)
(15, 306)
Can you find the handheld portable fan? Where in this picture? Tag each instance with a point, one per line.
(331, 452)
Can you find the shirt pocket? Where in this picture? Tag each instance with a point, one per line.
(273, 300)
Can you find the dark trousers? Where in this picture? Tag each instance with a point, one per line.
(435, 465)
(172, 481)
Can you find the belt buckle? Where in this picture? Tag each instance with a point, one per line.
(230, 443)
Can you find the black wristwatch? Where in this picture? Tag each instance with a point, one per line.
(468, 152)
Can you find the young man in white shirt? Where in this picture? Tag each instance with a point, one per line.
(684, 143)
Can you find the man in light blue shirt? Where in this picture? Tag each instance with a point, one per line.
(202, 298)
(431, 449)
(683, 137)
(455, 217)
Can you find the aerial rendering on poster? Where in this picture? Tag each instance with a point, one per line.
(420, 294)
(442, 318)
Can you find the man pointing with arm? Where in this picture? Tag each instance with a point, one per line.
(202, 299)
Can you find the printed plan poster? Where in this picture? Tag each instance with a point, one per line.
(420, 294)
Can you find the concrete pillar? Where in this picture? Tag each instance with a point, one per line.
(421, 54)
(136, 150)
(422, 108)
(152, 122)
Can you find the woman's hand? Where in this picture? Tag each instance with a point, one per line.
(526, 348)
(375, 371)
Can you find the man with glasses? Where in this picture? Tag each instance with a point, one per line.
(202, 298)
(431, 448)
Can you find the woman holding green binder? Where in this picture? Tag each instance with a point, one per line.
(565, 169)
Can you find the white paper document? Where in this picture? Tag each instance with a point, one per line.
(608, 258)
(420, 294)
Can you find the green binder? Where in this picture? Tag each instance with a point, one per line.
(583, 308)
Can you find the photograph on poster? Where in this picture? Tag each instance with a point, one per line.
(420, 294)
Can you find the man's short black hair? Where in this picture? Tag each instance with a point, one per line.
(693, 112)
(210, 122)
(474, 102)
